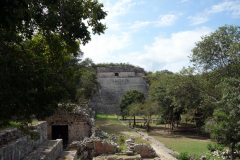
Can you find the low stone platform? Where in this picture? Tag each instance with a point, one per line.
(68, 155)
(118, 157)
(49, 150)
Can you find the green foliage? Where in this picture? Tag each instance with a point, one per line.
(114, 64)
(121, 141)
(130, 97)
(219, 51)
(224, 126)
(160, 121)
(184, 156)
(210, 147)
(39, 41)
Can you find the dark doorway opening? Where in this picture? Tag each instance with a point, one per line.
(60, 132)
(116, 74)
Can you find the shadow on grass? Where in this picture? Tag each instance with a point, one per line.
(180, 132)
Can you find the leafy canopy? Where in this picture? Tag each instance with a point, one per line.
(37, 41)
(130, 97)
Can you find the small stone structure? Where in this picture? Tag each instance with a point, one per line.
(115, 81)
(73, 126)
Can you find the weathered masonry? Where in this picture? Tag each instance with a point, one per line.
(70, 127)
(115, 82)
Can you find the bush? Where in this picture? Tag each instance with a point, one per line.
(184, 156)
(121, 142)
(219, 147)
(215, 147)
(238, 146)
(210, 147)
(160, 121)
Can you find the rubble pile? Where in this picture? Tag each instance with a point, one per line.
(91, 147)
(144, 150)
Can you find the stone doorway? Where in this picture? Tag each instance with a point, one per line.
(60, 132)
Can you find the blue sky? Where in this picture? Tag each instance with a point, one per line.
(158, 34)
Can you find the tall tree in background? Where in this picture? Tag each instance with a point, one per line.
(217, 57)
(37, 38)
(130, 97)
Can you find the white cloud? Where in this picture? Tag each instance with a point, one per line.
(164, 53)
(184, 1)
(139, 24)
(167, 20)
(171, 53)
(164, 20)
(101, 47)
(232, 7)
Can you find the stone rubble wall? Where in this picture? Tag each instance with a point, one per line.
(107, 100)
(49, 150)
(14, 145)
(94, 146)
(144, 150)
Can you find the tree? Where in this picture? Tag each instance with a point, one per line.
(37, 40)
(219, 52)
(147, 110)
(224, 125)
(131, 96)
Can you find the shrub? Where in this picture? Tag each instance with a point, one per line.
(184, 156)
(238, 146)
(219, 147)
(160, 121)
(210, 147)
(121, 142)
(215, 147)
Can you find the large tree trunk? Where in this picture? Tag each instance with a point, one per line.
(147, 127)
(172, 120)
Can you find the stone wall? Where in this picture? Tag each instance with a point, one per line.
(48, 150)
(80, 124)
(14, 145)
(107, 99)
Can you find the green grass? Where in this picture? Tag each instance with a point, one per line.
(14, 125)
(111, 125)
(138, 117)
(11, 126)
(193, 144)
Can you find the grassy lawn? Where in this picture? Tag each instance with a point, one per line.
(138, 117)
(14, 125)
(183, 141)
(111, 125)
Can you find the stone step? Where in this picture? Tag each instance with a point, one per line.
(48, 150)
(68, 155)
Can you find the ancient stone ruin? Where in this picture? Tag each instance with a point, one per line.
(73, 126)
(115, 81)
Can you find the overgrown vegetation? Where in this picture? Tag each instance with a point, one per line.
(207, 93)
(39, 46)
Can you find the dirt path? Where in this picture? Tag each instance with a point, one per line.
(162, 151)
